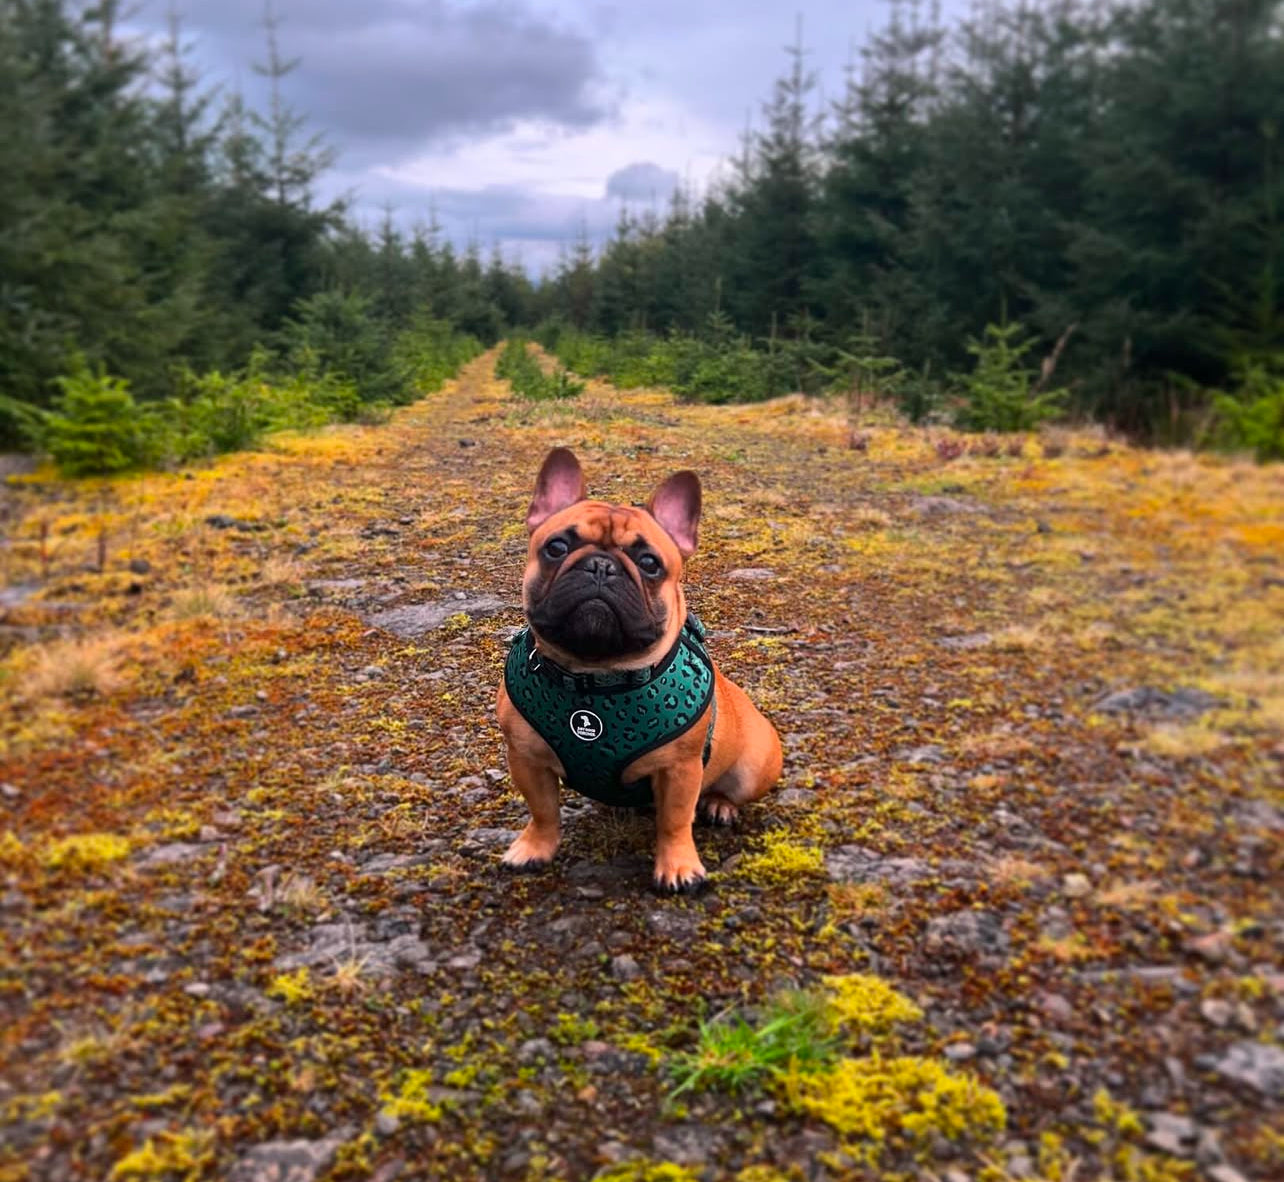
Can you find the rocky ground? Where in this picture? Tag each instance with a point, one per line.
(252, 802)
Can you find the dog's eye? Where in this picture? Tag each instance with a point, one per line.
(556, 548)
(649, 565)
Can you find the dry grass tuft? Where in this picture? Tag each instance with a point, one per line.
(81, 668)
(281, 570)
(867, 517)
(1013, 870)
(1183, 742)
(211, 601)
(1130, 896)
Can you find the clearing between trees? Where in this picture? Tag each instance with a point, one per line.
(1014, 910)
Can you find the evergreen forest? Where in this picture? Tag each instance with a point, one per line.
(1047, 208)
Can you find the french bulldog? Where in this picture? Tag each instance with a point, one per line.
(610, 689)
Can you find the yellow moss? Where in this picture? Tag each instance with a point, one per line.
(292, 988)
(571, 1030)
(85, 851)
(644, 1170)
(873, 1102)
(410, 1101)
(640, 1044)
(187, 1153)
(160, 1099)
(1114, 1115)
(780, 860)
(768, 1174)
(173, 824)
(868, 1004)
(12, 851)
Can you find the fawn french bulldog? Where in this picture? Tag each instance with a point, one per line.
(610, 688)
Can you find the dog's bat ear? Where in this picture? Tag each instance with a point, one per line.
(560, 483)
(676, 506)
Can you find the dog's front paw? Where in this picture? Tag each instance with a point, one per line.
(678, 873)
(533, 850)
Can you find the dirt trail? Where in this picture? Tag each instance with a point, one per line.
(252, 915)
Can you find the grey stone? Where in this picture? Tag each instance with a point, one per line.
(173, 853)
(384, 863)
(796, 797)
(9, 792)
(673, 922)
(942, 506)
(1257, 1065)
(958, 1052)
(970, 640)
(289, 1161)
(1183, 702)
(372, 672)
(1076, 886)
(333, 943)
(1054, 1007)
(1216, 1011)
(1259, 814)
(625, 968)
(1054, 923)
(139, 566)
(415, 619)
(1172, 1134)
(751, 574)
(535, 1050)
(486, 836)
(969, 933)
(386, 1123)
(1225, 1173)
(687, 1145)
(928, 753)
(854, 863)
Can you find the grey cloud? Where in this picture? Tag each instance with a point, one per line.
(385, 78)
(641, 182)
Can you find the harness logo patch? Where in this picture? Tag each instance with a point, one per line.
(586, 725)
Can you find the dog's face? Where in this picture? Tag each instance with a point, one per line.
(603, 584)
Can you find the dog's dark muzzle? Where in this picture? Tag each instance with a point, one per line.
(596, 611)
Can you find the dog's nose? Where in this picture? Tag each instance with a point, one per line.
(600, 566)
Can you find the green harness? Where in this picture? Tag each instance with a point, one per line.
(599, 723)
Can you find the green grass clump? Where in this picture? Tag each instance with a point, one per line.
(830, 1053)
(734, 1055)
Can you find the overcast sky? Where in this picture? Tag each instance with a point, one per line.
(520, 120)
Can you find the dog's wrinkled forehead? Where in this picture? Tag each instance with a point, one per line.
(598, 523)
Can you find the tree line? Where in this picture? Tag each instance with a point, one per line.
(1104, 174)
(166, 267)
